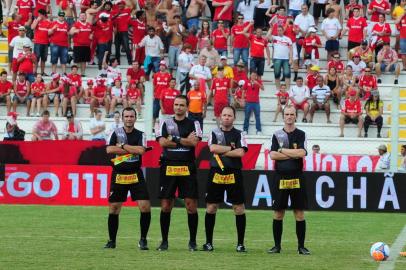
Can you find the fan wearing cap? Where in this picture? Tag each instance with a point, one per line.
(17, 43)
(117, 95)
(58, 33)
(283, 99)
(239, 74)
(374, 111)
(88, 91)
(12, 27)
(154, 49)
(70, 95)
(134, 96)
(387, 62)
(336, 63)
(228, 71)
(197, 103)
(220, 37)
(82, 34)
(104, 36)
(6, 87)
(44, 128)
(41, 39)
(258, 44)
(72, 128)
(365, 52)
(26, 62)
(99, 97)
(22, 93)
(139, 32)
(351, 112)
(367, 83)
(311, 77)
(167, 99)
(239, 42)
(13, 132)
(25, 9)
(321, 95)
(311, 45)
(121, 21)
(38, 89)
(220, 92)
(357, 65)
(53, 93)
(357, 29)
(160, 82)
(239, 95)
(383, 164)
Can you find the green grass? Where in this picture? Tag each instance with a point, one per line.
(55, 237)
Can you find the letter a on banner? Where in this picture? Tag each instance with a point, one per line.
(262, 191)
(389, 193)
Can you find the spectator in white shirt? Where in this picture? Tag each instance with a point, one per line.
(303, 21)
(17, 43)
(246, 8)
(321, 95)
(383, 164)
(331, 29)
(282, 57)
(115, 125)
(295, 7)
(298, 95)
(185, 63)
(154, 49)
(201, 71)
(97, 127)
(357, 65)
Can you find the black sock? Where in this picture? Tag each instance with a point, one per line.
(300, 232)
(192, 221)
(295, 78)
(277, 232)
(145, 220)
(113, 226)
(209, 221)
(240, 221)
(165, 220)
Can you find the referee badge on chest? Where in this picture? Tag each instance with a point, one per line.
(294, 145)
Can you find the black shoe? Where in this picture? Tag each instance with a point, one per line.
(143, 244)
(366, 135)
(163, 246)
(379, 81)
(303, 251)
(240, 248)
(110, 244)
(304, 120)
(396, 81)
(192, 246)
(274, 250)
(378, 135)
(208, 247)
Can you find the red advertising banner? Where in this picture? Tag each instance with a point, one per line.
(332, 163)
(55, 185)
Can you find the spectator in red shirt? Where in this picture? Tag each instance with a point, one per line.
(239, 42)
(239, 95)
(25, 8)
(121, 20)
(282, 99)
(5, 90)
(104, 36)
(219, 37)
(357, 29)
(351, 112)
(70, 96)
(167, 99)
(76, 81)
(311, 77)
(38, 89)
(22, 93)
(99, 97)
(26, 62)
(223, 10)
(59, 42)
(377, 7)
(134, 96)
(220, 90)
(352, 5)
(41, 39)
(252, 88)
(53, 93)
(336, 63)
(160, 81)
(136, 73)
(401, 23)
(239, 74)
(82, 34)
(139, 32)
(367, 83)
(259, 44)
(381, 33)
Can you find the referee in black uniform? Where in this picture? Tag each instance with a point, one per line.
(288, 149)
(228, 146)
(128, 144)
(178, 137)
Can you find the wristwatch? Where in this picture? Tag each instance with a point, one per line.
(280, 150)
(169, 137)
(122, 146)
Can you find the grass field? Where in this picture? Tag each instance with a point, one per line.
(54, 237)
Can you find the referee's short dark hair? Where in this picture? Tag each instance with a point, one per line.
(299, 78)
(229, 107)
(288, 107)
(183, 97)
(128, 109)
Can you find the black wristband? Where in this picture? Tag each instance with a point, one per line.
(176, 139)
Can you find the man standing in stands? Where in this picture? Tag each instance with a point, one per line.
(82, 37)
(58, 33)
(288, 150)
(40, 27)
(128, 144)
(160, 82)
(178, 136)
(121, 20)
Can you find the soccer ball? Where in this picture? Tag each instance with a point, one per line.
(379, 251)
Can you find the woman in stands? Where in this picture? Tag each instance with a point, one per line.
(53, 92)
(69, 93)
(348, 80)
(332, 80)
(203, 36)
(38, 89)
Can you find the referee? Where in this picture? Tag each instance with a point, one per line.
(178, 137)
(228, 146)
(128, 144)
(288, 149)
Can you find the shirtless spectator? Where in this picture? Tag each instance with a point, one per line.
(44, 129)
(194, 12)
(170, 12)
(176, 33)
(150, 12)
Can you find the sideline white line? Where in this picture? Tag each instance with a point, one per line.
(394, 251)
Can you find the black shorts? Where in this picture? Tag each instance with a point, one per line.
(215, 191)
(81, 54)
(319, 9)
(352, 45)
(281, 195)
(332, 45)
(169, 182)
(41, 51)
(119, 192)
(349, 120)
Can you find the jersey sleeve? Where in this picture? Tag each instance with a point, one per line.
(274, 144)
(162, 131)
(198, 130)
(142, 141)
(303, 142)
(113, 139)
(212, 139)
(242, 143)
